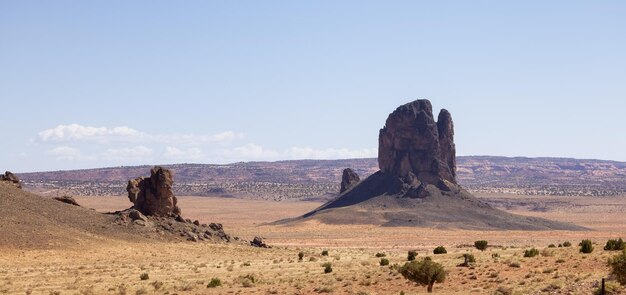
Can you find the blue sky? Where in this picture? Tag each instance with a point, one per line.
(106, 83)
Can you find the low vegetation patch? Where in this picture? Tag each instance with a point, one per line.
(384, 261)
(618, 267)
(214, 283)
(325, 253)
(440, 250)
(481, 245)
(424, 272)
(328, 267)
(586, 246)
(411, 255)
(614, 245)
(532, 252)
(468, 260)
(144, 276)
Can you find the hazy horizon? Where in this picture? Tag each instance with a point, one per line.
(86, 85)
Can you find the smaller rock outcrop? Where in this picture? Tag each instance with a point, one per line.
(67, 200)
(348, 180)
(153, 195)
(10, 177)
(258, 242)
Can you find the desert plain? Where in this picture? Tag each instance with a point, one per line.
(93, 265)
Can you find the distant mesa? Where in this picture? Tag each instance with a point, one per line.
(11, 178)
(349, 178)
(416, 184)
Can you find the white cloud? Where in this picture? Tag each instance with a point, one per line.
(75, 132)
(256, 152)
(192, 154)
(66, 153)
(132, 153)
(329, 153)
(124, 134)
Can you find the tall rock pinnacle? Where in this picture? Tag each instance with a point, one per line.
(153, 195)
(412, 144)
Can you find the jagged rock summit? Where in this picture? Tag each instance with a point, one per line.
(416, 184)
(153, 195)
(413, 145)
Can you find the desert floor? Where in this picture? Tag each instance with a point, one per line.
(115, 267)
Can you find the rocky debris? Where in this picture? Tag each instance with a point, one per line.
(412, 142)
(154, 207)
(10, 177)
(153, 195)
(258, 242)
(67, 200)
(190, 231)
(135, 215)
(348, 180)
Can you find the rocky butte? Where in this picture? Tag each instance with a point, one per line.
(412, 145)
(416, 184)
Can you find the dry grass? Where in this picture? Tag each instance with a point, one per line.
(115, 267)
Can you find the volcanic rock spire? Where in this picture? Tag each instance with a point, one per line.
(413, 145)
(349, 179)
(153, 195)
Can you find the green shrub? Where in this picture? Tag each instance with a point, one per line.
(411, 256)
(384, 261)
(618, 267)
(586, 246)
(300, 255)
(328, 267)
(440, 250)
(567, 244)
(144, 276)
(325, 253)
(610, 288)
(560, 245)
(468, 260)
(215, 282)
(614, 245)
(425, 272)
(551, 246)
(379, 255)
(532, 252)
(481, 245)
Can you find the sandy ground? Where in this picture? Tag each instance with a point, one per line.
(115, 267)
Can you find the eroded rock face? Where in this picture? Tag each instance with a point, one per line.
(153, 195)
(348, 179)
(413, 143)
(10, 177)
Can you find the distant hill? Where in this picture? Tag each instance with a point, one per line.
(319, 179)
